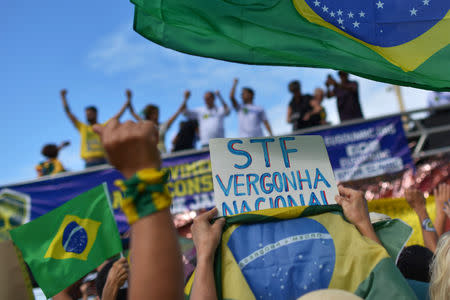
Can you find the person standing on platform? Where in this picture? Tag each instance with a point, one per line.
(91, 151)
(250, 116)
(298, 107)
(347, 95)
(210, 117)
(151, 113)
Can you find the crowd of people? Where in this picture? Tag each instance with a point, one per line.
(206, 122)
(154, 270)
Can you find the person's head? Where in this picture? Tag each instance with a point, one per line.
(91, 114)
(319, 94)
(295, 87)
(151, 113)
(414, 263)
(440, 269)
(247, 95)
(209, 99)
(343, 76)
(101, 281)
(50, 151)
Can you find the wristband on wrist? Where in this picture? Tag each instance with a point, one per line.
(427, 225)
(144, 193)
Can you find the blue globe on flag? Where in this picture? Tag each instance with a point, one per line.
(75, 238)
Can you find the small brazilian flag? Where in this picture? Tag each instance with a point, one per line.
(70, 241)
(285, 253)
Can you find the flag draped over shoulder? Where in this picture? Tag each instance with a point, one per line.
(70, 241)
(404, 42)
(285, 253)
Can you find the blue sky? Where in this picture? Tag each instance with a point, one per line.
(90, 48)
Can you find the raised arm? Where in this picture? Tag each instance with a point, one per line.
(206, 238)
(417, 202)
(182, 107)
(232, 93)
(225, 106)
(441, 196)
(63, 144)
(130, 106)
(156, 268)
(125, 105)
(355, 210)
(69, 114)
(330, 82)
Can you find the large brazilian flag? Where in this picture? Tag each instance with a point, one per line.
(403, 42)
(285, 253)
(67, 243)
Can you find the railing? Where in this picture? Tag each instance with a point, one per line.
(421, 132)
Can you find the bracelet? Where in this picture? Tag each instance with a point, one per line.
(427, 225)
(144, 193)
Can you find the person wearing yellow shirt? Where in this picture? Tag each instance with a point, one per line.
(91, 151)
(52, 165)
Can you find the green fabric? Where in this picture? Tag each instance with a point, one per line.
(385, 282)
(393, 234)
(36, 238)
(273, 33)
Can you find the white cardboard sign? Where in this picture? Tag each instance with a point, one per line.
(259, 173)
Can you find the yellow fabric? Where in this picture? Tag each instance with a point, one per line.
(91, 145)
(407, 56)
(346, 236)
(57, 166)
(234, 285)
(56, 249)
(399, 209)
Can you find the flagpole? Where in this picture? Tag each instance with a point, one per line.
(105, 187)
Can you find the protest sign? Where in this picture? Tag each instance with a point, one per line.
(258, 173)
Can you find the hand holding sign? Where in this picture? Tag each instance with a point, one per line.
(259, 173)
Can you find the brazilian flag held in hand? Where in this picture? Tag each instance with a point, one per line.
(404, 42)
(285, 253)
(70, 241)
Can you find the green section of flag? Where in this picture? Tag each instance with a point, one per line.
(70, 241)
(275, 33)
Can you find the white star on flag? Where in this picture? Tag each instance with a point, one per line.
(316, 3)
(426, 2)
(379, 4)
(340, 21)
(332, 14)
(350, 15)
(356, 24)
(362, 14)
(339, 12)
(413, 12)
(325, 8)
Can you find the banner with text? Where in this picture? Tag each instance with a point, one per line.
(259, 173)
(368, 149)
(190, 185)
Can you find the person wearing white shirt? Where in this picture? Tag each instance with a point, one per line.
(250, 116)
(210, 118)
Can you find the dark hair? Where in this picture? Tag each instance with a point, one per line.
(250, 90)
(414, 263)
(340, 73)
(296, 82)
(93, 108)
(50, 151)
(150, 109)
(101, 281)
